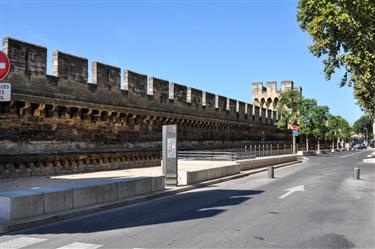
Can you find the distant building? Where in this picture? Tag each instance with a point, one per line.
(268, 97)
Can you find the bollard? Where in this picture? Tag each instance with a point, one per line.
(270, 172)
(356, 173)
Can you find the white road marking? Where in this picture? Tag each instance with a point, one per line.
(20, 242)
(79, 245)
(352, 154)
(292, 190)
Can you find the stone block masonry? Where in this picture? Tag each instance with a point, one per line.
(256, 163)
(38, 202)
(65, 122)
(268, 97)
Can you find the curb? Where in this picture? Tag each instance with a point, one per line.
(135, 200)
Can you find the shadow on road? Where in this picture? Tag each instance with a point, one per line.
(181, 207)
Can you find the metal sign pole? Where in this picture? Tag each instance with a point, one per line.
(294, 134)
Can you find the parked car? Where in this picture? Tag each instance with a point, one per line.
(359, 147)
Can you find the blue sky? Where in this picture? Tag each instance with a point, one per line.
(216, 46)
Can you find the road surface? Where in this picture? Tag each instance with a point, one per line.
(315, 204)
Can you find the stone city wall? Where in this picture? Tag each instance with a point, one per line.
(63, 122)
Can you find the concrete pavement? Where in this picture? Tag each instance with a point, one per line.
(104, 190)
(21, 183)
(333, 211)
(38, 181)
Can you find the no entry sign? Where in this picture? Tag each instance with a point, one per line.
(4, 65)
(295, 127)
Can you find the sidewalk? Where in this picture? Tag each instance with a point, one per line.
(201, 173)
(370, 158)
(44, 181)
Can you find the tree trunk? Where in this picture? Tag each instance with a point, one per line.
(318, 145)
(307, 144)
(333, 144)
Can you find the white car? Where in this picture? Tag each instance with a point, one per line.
(359, 147)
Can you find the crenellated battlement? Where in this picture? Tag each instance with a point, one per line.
(71, 117)
(106, 75)
(26, 58)
(268, 97)
(70, 67)
(69, 80)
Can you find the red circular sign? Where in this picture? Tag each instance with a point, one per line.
(295, 128)
(4, 65)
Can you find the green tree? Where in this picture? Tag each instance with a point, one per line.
(289, 108)
(313, 120)
(363, 123)
(338, 129)
(307, 123)
(345, 130)
(320, 123)
(333, 126)
(343, 34)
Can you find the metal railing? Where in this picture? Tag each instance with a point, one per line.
(313, 146)
(214, 155)
(239, 153)
(260, 150)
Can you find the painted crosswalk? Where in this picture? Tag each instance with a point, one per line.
(24, 242)
(78, 245)
(20, 242)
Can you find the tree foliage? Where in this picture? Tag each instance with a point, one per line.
(363, 122)
(345, 129)
(343, 33)
(338, 128)
(289, 108)
(313, 119)
(320, 122)
(307, 111)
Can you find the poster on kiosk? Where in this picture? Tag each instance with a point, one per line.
(170, 154)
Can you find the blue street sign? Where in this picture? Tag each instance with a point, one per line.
(295, 133)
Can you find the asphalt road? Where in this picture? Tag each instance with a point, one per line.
(330, 210)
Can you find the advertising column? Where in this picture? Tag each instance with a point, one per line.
(170, 154)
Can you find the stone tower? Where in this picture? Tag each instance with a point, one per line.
(268, 97)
